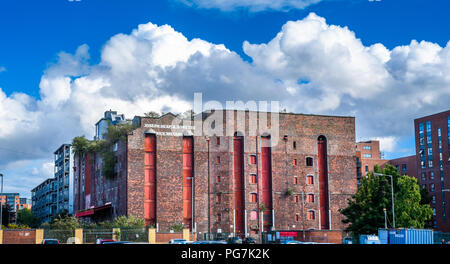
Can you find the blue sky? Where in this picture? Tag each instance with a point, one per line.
(34, 33)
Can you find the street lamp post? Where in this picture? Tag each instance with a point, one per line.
(385, 218)
(392, 190)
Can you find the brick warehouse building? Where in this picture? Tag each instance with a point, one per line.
(234, 183)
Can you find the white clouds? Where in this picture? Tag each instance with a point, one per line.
(2, 69)
(387, 144)
(251, 5)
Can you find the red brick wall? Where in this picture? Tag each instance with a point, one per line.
(304, 129)
(19, 237)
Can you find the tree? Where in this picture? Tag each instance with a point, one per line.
(5, 214)
(28, 218)
(152, 114)
(365, 214)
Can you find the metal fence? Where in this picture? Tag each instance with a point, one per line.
(63, 236)
(90, 236)
(214, 236)
(134, 235)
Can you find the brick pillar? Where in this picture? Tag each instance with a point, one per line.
(1, 236)
(116, 234)
(39, 236)
(79, 236)
(152, 236)
(186, 234)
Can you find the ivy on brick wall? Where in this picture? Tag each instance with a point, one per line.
(105, 148)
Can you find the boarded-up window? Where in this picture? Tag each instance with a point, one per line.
(295, 180)
(218, 140)
(311, 215)
(294, 162)
(253, 179)
(309, 179)
(310, 198)
(253, 198)
(252, 159)
(218, 197)
(253, 215)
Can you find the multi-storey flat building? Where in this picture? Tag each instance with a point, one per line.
(368, 155)
(44, 200)
(230, 181)
(406, 165)
(432, 135)
(25, 203)
(12, 200)
(110, 118)
(64, 178)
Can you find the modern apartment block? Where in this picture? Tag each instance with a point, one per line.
(406, 165)
(432, 135)
(25, 203)
(44, 200)
(240, 183)
(110, 118)
(368, 155)
(64, 178)
(11, 199)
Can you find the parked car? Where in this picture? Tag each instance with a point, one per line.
(103, 241)
(50, 241)
(210, 242)
(177, 241)
(117, 242)
(249, 240)
(234, 240)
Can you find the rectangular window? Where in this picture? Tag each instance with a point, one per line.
(218, 198)
(309, 161)
(432, 187)
(294, 162)
(403, 167)
(295, 180)
(218, 178)
(253, 179)
(310, 198)
(431, 175)
(218, 159)
(309, 179)
(311, 215)
(252, 159)
(296, 199)
(367, 168)
(367, 155)
(253, 198)
(367, 147)
(297, 218)
(423, 176)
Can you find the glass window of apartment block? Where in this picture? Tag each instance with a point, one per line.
(428, 127)
(420, 128)
(432, 188)
(430, 164)
(367, 147)
(423, 176)
(367, 155)
(431, 175)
